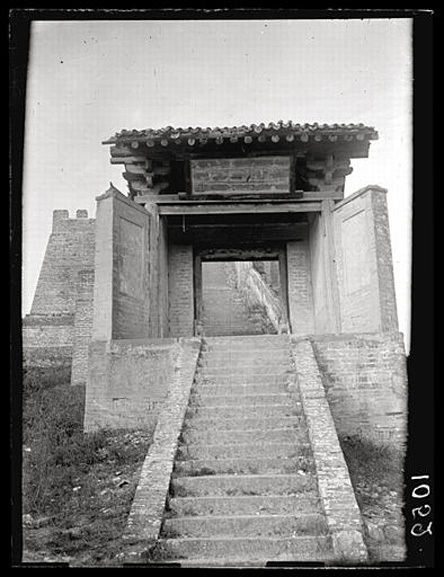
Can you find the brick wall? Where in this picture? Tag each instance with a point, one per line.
(49, 330)
(70, 249)
(365, 377)
(181, 293)
(82, 327)
(257, 292)
(299, 288)
(128, 380)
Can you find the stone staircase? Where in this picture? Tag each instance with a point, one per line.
(225, 309)
(244, 489)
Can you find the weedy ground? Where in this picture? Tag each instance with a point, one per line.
(376, 473)
(77, 488)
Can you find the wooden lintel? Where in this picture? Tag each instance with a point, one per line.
(238, 208)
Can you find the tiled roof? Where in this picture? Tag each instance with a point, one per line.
(273, 131)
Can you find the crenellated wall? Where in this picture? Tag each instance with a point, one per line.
(61, 312)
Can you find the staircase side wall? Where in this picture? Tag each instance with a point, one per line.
(335, 487)
(365, 378)
(128, 381)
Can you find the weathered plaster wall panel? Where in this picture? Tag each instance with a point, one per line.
(131, 271)
(128, 380)
(356, 265)
(322, 321)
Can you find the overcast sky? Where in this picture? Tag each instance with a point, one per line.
(89, 79)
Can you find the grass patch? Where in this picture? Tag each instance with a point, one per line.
(370, 463)
(77, 487)
(376, 472)
(158, 551)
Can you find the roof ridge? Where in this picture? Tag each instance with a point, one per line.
(220, 133)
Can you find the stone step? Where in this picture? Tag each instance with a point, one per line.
(237, 353)
(254, 548)
(246, 505)
(243, 379)
(245, 526)
(240, 389)
(253, 351)
(252, 340)
(256, 357)
(231, 563)
(235, 437)
(246, 466)
(228, 330)
(198, 400)
(245, 423)
(230, 370)
(241, 450)
(258, 411)
(223, 485)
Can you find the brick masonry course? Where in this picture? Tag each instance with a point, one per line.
(365, 378)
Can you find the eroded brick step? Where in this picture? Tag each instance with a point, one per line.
(246, 466)
(266, 373)
(199, 400)
(276, 360)
(235, 437)
(240, 450)
(226, 485)
(267, 548)
(246, 526)
(244, 423)
(246, 505)
(238, 411)
(241, 388)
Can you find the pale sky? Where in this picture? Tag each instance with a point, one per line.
(90, 79)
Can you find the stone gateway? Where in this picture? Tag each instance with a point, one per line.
(236, 300)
